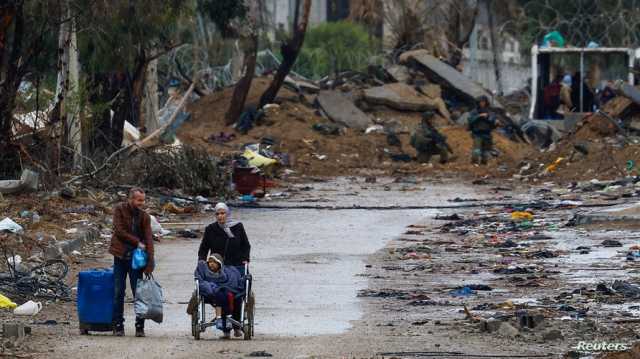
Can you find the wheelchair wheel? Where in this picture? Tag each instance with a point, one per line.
(249, 315)
(195, 323)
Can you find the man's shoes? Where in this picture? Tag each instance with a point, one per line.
(118, 330)
(226, 335)
(140, 332)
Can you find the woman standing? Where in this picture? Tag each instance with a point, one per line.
(227, 238)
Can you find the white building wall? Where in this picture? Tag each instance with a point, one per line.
(514, 76)
(282, 12)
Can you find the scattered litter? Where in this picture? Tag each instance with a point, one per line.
(521, 216)
(462, 292)
(260, 353)
(187, 233)
(28, 308)
(626, 289)
(6, 303)
(611, 243)
(8, 225)
(452, 217)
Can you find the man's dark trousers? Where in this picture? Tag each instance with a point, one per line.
(122, 269)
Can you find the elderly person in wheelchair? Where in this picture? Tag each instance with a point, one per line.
(219, 285)
(223, 279)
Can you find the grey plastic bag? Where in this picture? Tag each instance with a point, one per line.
(148, 304)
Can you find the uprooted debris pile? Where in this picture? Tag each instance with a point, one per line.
(188, 168)
(354, 124)
(604, 145)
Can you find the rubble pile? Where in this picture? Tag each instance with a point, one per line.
(604, 145)
(358, 122)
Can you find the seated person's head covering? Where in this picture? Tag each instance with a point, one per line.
(216, 257)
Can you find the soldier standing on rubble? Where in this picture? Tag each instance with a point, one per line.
(428, 141)
(481, 124)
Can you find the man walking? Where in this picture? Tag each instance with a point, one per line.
(481, 124)
(131, 229)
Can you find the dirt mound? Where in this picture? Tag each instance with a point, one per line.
(313, 153)
(595, 150)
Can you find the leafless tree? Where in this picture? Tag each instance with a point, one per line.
(290, 50)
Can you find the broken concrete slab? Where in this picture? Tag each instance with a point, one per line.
(302, 85)
(627, 213)
(400, 97)
(13, 330)
(508, 330)
(630, 92)
(447, 76)
(617, 106)
(490, 325)
(340, 110)
(553, 334)
(64, 248)
(403, 97)
(431, 90)
(28, 182)
(399, 73)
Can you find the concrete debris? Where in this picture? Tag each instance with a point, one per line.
(446, 75)
(507, 330)
(28, 182)
(399, 73)
(302, 85)
(342, 111)
(630, 92)
(400, 96)
(553, 334)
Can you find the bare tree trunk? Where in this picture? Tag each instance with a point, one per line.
(68, 82)
(150, 101)
(290, 50)
(241, 90)
(73, 118)
(462, 34)
(495, 47)
(10, 70)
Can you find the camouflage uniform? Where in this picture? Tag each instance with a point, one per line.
(481, 128)
(428, 142)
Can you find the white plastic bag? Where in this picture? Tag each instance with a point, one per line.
(148, 304)
(8, 225)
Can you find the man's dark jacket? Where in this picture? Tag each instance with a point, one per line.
(233, 250)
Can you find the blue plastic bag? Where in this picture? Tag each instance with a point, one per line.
(139, 259)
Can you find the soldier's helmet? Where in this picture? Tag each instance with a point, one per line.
(482, 98)
(427, 115)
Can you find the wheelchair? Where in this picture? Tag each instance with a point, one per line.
(246, 321)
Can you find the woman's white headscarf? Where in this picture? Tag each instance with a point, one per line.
(229, 223)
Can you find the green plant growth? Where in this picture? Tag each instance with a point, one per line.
(334, 47)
